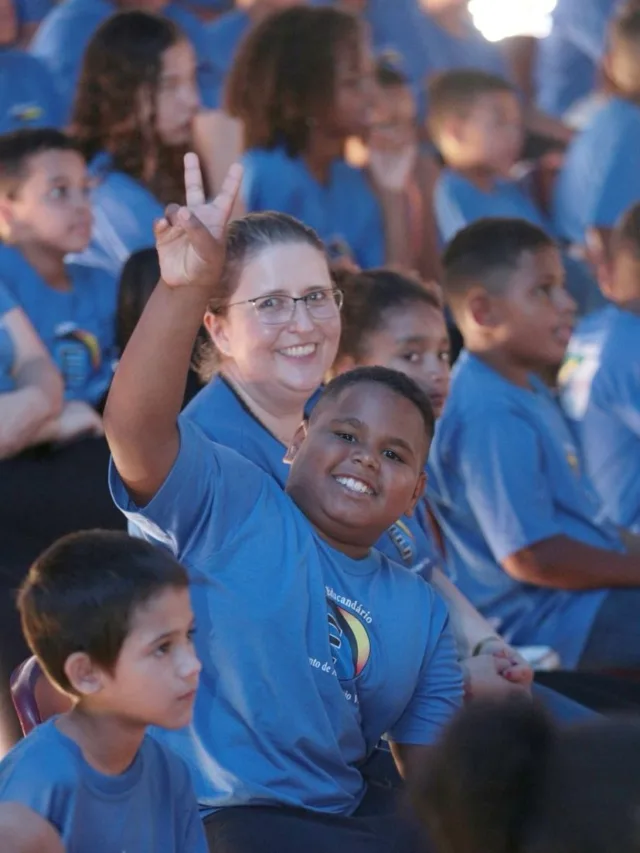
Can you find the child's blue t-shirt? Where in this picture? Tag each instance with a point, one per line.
(123, 215)
(601, 394)
(223, 417)
(7, 347)
(308, 656)
(567, 60)
(63, 36)
(224, 35)
(505, 473)
(32, 11)
(458, 203)
(344, 212)
(28, 97)
(76, 326)
(150, 808)
(600, 177)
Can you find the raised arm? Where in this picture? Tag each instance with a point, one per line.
(146, 395)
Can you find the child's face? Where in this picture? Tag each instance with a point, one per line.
(353, 97)
(534, 318)
(157, 673)
(415, 341)
(52, 207)
(359, 465)
(491, 135)
(178, 100)
(289, 358)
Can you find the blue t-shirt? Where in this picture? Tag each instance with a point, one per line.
(505, 473)
(567, 60)
(601, 394)
(225, 35)
(345, 212)
(150, 808)
(308, 656)
(32, 11)
(63, 36)
(223, 417)
(76, 326)
(123, 215)
(458, 203)
(7, 347)
(600, 177)
(28, 97)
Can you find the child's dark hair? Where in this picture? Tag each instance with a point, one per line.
(486, 252)
(138, 280)
(368, 297)
(388, 70)
(627, 232)
(124, 56)
(247, 237)
(20, 146)
(503, 778)
(284, 75)
(81, 593)
(397, 382)
(456, 92)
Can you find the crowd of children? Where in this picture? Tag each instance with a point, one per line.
(337, 536)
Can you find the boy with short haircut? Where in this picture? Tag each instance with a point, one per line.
(45, 214)
(110, 622)
(526, 536)
(600, 178)
(600, 381)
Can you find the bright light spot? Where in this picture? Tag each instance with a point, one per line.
(500, 19)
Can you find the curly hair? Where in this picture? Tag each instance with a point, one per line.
(283, 77)
(123, 58)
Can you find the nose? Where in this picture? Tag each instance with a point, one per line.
(301, 320)
(565, 303)
(189, 665)
(365, 456)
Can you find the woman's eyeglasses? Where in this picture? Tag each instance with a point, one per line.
(278, 309)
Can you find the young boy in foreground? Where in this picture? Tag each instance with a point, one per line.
(110, 622)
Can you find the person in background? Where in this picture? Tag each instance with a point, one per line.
(600, 382)
(28, 97)
(137, 83)
(110, 622)
(226, 33)
(526, 537)
(600, 178)
(23, 831)
(25, 17)
(301, 84)
(505, 779)
(65, 33)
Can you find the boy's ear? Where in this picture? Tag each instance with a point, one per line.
(482, 307)
(418, 493)
(6, 218)
(296, 442)
(84, 676)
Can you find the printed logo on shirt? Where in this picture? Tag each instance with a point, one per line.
(572, 458)
(349, 641)
(26, 113)
(576, 377)
(77, 354)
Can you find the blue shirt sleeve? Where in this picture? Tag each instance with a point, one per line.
(371, 253)
(7, 302)
(205, 500)
(191, 837)
(619, 182)
(438, 693)
(450, 216)
(505, 484)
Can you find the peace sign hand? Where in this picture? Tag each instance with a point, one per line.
(191, 240)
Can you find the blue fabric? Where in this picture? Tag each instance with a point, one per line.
(150, 808)
(505, 473)
(27, 95)
(563, 710)
(345, 212)
(601, 394)
(123, 215)
(308, 657)
(600, 177)
(224, 36)
(568, 58)
(32, 11)
(64, 34)
(76, 326)
(7, 347)
(458, 203)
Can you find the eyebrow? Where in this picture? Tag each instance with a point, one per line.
(168, 634)
(281, 291)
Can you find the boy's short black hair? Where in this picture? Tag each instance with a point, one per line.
(19, 146)
(486, 253)
(626, 234)
(81, 593)
(454, 93)
(395, 381)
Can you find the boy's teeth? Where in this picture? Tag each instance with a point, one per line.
(299, 351)
(354, 485)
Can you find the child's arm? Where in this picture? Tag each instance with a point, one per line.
(146, 395)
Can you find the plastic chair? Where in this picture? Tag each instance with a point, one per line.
(34, 698)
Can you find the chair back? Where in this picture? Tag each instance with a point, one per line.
(35, 699)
